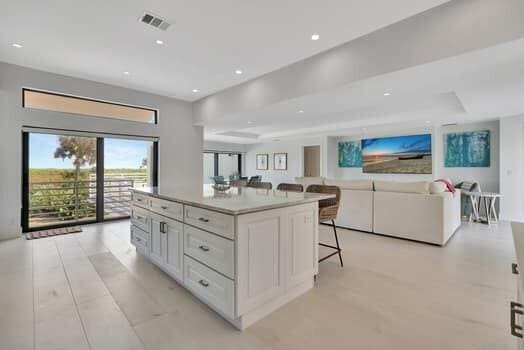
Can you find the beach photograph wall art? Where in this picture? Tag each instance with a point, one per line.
(409, 154)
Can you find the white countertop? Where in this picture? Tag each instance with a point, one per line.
(237, 200)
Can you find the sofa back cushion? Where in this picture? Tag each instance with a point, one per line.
(359, 185)
(306, 181)
(420, 187)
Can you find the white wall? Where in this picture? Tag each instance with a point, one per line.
(180, 142)
(512, 168)
(488, 177)
(295, 159)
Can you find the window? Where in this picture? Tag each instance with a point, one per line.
(222, 164)
(77, 105)
(79, 177)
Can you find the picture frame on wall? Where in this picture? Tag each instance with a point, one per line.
(280, 161)
(262, 161)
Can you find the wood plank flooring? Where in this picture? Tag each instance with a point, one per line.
(92, 291)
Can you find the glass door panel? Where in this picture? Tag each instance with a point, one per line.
(228, 165)
(127, 164)
(61, 180)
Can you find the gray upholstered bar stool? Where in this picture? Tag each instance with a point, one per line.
(264, 185)
(290, 187)
(327, 211)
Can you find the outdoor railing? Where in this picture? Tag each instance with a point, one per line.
(56, 202)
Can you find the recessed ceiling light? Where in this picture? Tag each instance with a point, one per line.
(364, 129)
(126, 73)
(195, 90)
(18, 46)
(249, 122)
(387, 93)
(300, 111)
(160, 42)
(238, 72)
(315, 37)
(428, 121)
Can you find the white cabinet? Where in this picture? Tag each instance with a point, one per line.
(166, 247)
(243, 266)
(277, 249)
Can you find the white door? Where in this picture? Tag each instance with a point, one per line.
(303, 244)
(173, 243)
(157, 225)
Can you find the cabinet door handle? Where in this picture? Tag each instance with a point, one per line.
(515, 309)
(514, 269)
(204, 283)
(163, 227)
(203, 219)
(204, 248)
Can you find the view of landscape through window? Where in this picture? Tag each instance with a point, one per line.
(63, 177)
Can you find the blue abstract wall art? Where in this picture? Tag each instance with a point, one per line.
(349, 154)
(467, 149)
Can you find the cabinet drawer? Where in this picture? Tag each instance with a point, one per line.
(139, 238)
(221, 224)
(209, 285)
(140, 218)
(170, 209)
(140, 199)
(210, 249)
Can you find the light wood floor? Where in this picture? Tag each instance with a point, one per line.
(91, 291)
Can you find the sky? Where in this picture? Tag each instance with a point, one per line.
(119, 153)
(398, 144)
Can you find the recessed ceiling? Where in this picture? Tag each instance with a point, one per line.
(206, 42)
(480, 85)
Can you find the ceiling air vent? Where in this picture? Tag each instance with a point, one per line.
(154, 21)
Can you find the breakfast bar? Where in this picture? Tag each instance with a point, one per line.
(244, 252)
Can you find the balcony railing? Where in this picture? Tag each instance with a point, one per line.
(60, 202)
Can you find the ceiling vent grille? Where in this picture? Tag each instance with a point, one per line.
(154, 21)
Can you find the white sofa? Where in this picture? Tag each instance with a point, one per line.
(421, 211)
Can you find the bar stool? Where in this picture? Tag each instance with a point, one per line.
(327, 211)
(264, 185)
(290, 187)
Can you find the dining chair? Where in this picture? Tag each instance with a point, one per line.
(327, 211)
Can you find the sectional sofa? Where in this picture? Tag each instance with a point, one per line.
(422, 211)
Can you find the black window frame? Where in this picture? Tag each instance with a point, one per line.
(99, 178)
(215, 161)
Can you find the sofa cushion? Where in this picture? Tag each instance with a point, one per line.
(306, 181)
(360, 185)
(421, 187)
(437, 187)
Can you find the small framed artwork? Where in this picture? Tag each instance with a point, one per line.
(280, 161)
(262, 161)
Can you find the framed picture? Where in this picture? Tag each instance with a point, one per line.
(409, 154)
(349, 154)
(280, 161)
(469, 149)
(262, 161)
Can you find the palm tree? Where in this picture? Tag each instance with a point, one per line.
(82, 151)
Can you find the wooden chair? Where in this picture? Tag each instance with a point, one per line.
(290, 187)
(327, 211)
(264, 185)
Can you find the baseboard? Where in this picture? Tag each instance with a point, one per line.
(10, 233)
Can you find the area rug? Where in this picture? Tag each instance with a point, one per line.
(53, 232)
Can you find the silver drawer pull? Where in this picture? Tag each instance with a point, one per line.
(203, 219)
(138, 239)
(515, 309)
(163, 207)
(139, 199)
(138, 217)
(204, 283)
(204, 248)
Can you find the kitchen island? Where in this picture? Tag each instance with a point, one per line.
(245, 252)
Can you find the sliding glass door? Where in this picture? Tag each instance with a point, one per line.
(127, 164)
(227, 165)
(72, 179)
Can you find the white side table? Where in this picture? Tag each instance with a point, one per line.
(489, 199)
